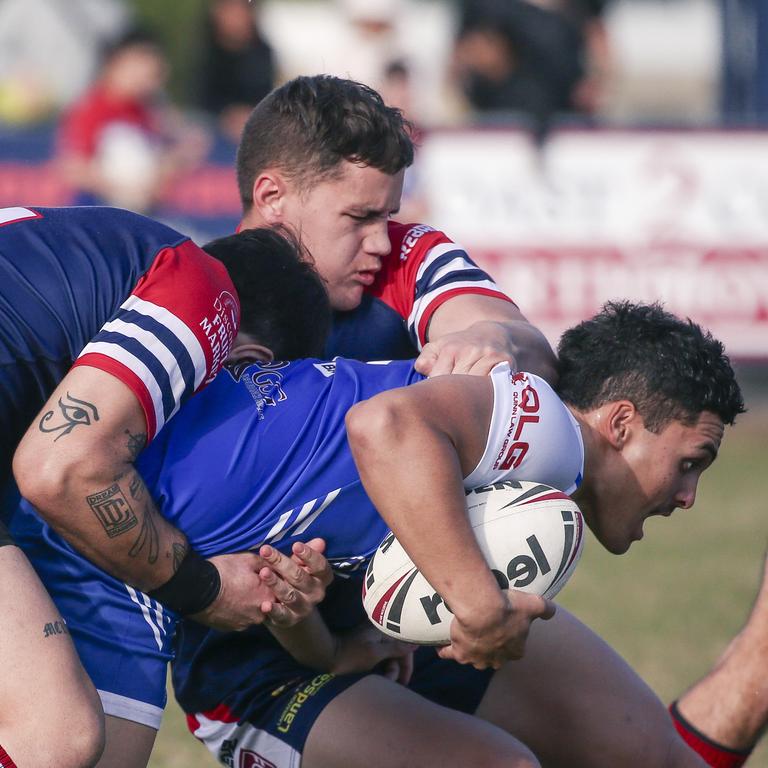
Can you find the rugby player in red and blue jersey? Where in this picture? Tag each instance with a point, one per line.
(148, 319)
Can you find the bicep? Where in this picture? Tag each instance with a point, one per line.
(91, 421)
(453, 409)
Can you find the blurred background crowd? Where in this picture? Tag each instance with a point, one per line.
(567, 143)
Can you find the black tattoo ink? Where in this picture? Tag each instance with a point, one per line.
(136, 487)
(74, 412)
(55, 628)
(148, 536)
(136, 444)
(179, 553)
(113, 510)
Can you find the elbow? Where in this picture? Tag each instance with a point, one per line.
(373, 427)
(48, 476)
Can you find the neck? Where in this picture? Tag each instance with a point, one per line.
(586, 494)
(251, 219)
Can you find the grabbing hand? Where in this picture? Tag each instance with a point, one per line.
(365, 647)
(489, 639)
(254, 586)
(474, 350)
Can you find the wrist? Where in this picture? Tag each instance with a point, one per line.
(485, 606)
(192, 589)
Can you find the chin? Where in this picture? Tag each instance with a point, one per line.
(347, 301)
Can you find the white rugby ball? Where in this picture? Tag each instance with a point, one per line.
(530, 534)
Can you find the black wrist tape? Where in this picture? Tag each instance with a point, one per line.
(194, 586)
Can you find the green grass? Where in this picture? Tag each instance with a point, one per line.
(671, 604)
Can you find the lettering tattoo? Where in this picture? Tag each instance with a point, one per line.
(179, 553)
(58, 627)
(113, 510)
(148, 537)
(72, 413)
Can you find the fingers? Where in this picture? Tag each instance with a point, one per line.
(284, 567)
(285, 593)
(310, 557)
(533, 605)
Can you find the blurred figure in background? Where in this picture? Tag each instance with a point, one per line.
(540, 58)
(119, 144)
(237, 65)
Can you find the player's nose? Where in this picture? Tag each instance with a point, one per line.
(377, 241)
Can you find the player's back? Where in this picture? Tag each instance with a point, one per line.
(63, 273)
(262, 455)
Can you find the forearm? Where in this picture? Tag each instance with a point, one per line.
(310, 641)
(411, 472)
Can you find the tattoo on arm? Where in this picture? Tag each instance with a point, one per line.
(58, 627)
(148, 536)
(73, 413)
(113, 510)
(136, 444)
(179, 553)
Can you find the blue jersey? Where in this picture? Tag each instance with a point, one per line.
(134, 288)
(270, 460)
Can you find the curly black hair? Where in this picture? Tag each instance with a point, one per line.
(668, 367)
(307, 126)
(283, 300)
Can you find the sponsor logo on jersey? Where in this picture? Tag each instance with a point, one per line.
(298, 699)
(411, 238)
(263, 381)
(249, 759)
(327, 369)
(220, 329)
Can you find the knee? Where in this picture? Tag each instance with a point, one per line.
(518, 757)
(76, 742)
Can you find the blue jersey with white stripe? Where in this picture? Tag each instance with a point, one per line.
(262, 456)
(66, 273)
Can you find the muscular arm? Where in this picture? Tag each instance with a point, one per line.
(470, 333)
(412, 447)
(75, 465)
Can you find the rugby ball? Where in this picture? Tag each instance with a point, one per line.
(530, 534)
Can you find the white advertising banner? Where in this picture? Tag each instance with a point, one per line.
(677, 217)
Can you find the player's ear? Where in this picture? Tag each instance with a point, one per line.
(620, 419)
(246, 350)
(269, 192)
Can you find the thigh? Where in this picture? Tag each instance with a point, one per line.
(379, 724)
(46, 698)
(128, 744)
(123, 637)
(576, 702)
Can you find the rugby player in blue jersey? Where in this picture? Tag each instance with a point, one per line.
(147, 317)
(262, 456)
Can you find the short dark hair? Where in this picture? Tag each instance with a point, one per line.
(669, 368)
(284, 303)
(307, 126)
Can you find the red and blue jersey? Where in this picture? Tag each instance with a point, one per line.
(423, 270)
(110, 289)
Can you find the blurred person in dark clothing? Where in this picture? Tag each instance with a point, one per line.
(534, 57)
(237, 65)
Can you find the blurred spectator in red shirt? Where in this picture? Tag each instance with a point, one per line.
(238, 67)
(120, 144)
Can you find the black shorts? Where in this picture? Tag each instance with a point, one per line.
(268, 722)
